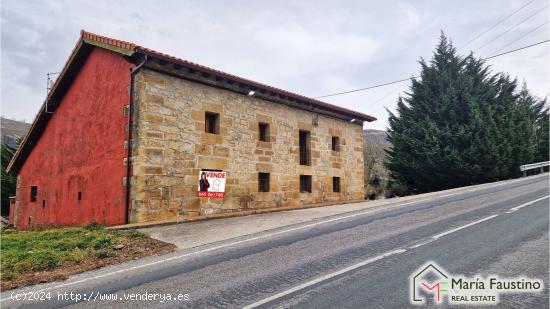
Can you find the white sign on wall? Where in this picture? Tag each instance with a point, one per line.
(211, 184)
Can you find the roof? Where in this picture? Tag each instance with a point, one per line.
(131, 47)
(88, 41)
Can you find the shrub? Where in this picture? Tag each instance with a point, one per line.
(104, 253)
(102, 242)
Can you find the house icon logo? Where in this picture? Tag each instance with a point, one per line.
(430, 280)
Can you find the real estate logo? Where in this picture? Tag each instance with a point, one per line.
(423, 280)
(431, 283)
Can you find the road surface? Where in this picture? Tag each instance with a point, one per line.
(361, 259)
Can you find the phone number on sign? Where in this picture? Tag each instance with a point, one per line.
(210, 194)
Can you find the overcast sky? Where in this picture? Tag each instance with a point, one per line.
(309, 47)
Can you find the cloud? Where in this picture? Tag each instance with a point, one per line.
(317, 49)
(308, 47)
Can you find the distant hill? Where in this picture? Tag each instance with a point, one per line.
(376, 141)
(378, 136)
(12, 130)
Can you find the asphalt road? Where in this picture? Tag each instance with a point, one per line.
(361, 259)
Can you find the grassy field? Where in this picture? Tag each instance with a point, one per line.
(30, 257)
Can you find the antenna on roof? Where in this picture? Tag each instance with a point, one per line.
(50, 80)
(49, 85)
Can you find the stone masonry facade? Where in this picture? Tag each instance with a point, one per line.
(170, 147)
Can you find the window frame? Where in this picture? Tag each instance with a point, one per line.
(34, 193)
(336, 184)
(305, 151)
(262, 186)
(335, 143)
(306, 184)
(211, 122)
(263, 131)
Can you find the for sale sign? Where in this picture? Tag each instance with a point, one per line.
(211, 184)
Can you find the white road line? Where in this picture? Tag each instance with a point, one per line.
(323, 278)
(526, 204)
(463, 227)
(379, 257)
(422, 244)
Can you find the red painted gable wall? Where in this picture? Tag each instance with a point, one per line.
(81, 150)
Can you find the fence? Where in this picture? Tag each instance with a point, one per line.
(540, 165)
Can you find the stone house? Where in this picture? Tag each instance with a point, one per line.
(125, 132)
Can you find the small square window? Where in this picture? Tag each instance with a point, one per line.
(34, 193)
(335, 184)
(335, 143)
(305, 183)
(264, 132)
(212, 123)
(263, 182)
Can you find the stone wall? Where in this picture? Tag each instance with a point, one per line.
(170, 147)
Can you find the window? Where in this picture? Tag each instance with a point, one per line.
(263, 182)
(305, 148)
(335, 184)
(305, 183)
(43, 203)
(212, 123)
(335, 143)
(79, 196)
(34, 193)
(264, 132)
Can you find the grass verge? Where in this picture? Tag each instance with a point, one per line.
(31, 257)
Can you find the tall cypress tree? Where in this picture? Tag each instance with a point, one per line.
(528, 111)
(539, 116)
(542, 137)
(427, 128)
(459, 125)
